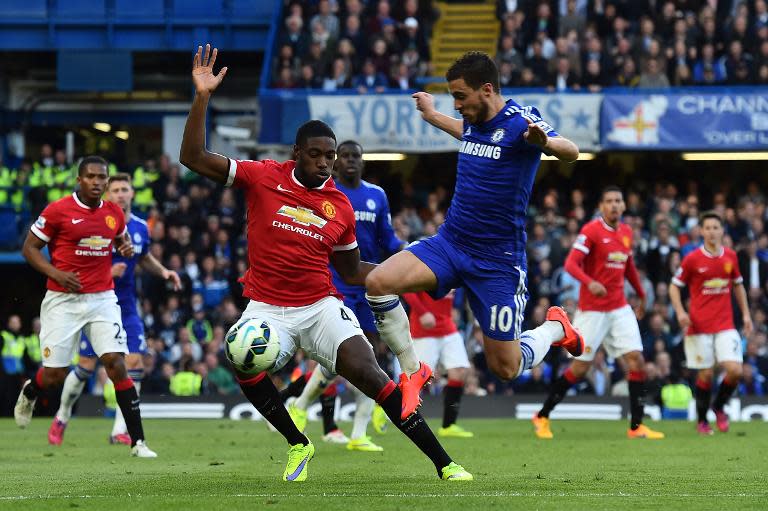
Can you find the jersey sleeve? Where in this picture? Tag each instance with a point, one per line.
(348, 239)
(47, 224)
(535, 117)
(682, 276)
(384, 231)
(245, 173)
(584, 242)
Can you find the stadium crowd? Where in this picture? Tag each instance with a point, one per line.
(558, 44)
(198, 230)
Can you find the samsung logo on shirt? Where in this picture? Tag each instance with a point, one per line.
(365, 216)
(483, 150)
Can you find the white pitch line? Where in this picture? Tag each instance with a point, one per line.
(395, 495)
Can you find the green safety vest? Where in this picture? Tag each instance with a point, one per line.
(33, 348)
(186, 383)
(13, 353)
(7, 181)
(142, 185)
(676, 396)
(37, 177)
(110, 398)
(60, 182)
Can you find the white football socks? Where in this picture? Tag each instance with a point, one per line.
(314, 388)
(363, 411)
(394, 329)
(74, 384)
(534, 344)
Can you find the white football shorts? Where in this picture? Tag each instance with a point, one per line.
(448, 351)
(318, 329)
(64, 315)
(703, 350)
(616, 330)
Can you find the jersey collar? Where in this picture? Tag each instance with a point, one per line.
(501, 114)
(293, 176)
(605, 224)
(74, 194)
(710, 254)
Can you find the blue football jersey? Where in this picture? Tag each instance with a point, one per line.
(495, 175)
(373, 224)
(125, 286)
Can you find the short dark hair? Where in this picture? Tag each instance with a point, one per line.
(313, 128)
(476, 68)
(120, 176)
(98, 160)
(711, 214)
(351, 142)
(609, 189)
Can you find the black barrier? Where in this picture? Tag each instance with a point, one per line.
(519, 407)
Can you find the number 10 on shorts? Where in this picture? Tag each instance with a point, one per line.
(501, 318)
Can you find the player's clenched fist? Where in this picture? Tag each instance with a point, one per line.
(683, 320)
(425, 102)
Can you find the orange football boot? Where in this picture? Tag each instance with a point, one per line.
(573, 341)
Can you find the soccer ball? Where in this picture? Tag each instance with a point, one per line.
(252, 346)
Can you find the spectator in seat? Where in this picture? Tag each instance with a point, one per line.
(370, 79)
(707, 69)
(339, 78)
(653, 77)
(403, 80)
(295, 35)
(563, 78)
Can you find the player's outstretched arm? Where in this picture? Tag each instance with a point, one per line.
(350, 268)
(193, 154)
(150, 263)
(425, 104)
(559, 147)
(32, 253)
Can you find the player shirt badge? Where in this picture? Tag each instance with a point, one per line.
(40, 223)
(497, 135)
(626, 241)
(728, 266)
(111, 221)
(329, 209)
(371, 204)
(46, 352)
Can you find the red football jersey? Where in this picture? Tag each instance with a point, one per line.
(608, 251)
(292, 232)
(80, 240)
(710, 279)
(420, 304)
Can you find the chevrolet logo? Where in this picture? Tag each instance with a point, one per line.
(715, 283)
(618, 257)
(94, 243)
(302, 216)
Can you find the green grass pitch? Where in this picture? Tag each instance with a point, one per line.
(232, 465)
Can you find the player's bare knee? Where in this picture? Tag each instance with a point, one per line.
(705, 374)
(635, 361)
(505, 370)
(733, 372)
(376, 284)
(88, 363)
(54, 376)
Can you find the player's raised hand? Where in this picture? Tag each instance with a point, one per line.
(173, 277)
(597, 288)
(425, 102)
(640, 310)
(684, 321)
(202, 70)
(68, 280)
(118, 270)
(534, 135)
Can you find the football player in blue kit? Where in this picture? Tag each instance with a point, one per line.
(481, 245)
(119, 191)
(376, 239)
